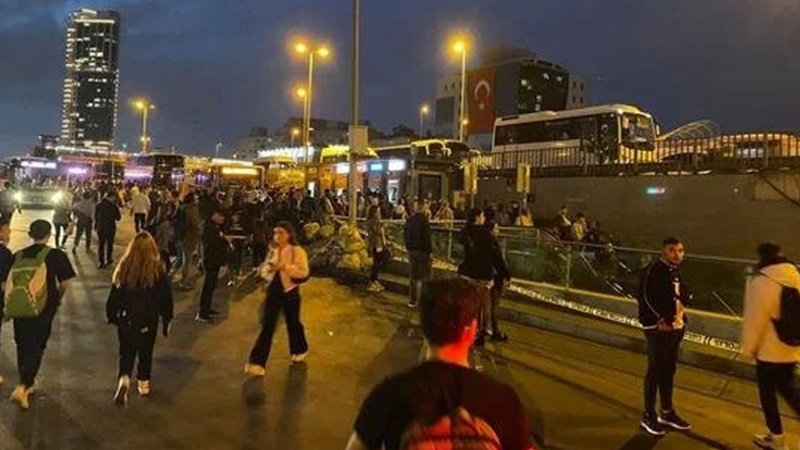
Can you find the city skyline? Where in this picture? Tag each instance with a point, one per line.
(213, 83)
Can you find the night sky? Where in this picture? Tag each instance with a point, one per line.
(217, 68)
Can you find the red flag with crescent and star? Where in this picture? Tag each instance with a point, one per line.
(480, 97)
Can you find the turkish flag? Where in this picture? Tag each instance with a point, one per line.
(480, 98)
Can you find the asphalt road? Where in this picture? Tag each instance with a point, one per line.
(579, 395)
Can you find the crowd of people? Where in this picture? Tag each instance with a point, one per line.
(180, 232)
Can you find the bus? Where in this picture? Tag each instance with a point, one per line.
(161, 169)
(613, 133)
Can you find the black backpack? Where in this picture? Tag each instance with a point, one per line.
(788, 326)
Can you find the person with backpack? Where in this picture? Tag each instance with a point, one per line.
(36, 284)
(771, 336)
(106, 215)
(442, 402)
(6, 260)
(285, 269)
(662, 300)
(140, 297)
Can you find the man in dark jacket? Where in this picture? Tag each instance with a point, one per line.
(662, 297)
(215, 255)
(106, 216)
(6, 261)
(484, 264)
(418, 244)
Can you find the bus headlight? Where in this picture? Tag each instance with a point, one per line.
(18, 197)
(58, 196)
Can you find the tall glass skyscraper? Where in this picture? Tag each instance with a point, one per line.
(91, 85)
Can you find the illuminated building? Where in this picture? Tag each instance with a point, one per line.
(91, 85)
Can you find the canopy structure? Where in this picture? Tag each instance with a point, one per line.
(701, 129)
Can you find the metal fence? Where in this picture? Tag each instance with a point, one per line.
(533, 255)
(723, 154)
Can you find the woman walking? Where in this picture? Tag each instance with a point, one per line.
(376, 242)
(285, 268)
(140, 296)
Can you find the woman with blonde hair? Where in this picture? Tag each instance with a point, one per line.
(140, 296)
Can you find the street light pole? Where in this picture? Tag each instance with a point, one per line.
(145, 106)
(462, 117)
(354, 109)
(307, 125)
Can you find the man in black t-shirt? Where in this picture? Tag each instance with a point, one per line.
(31, 335)
(444, 383)
(6, 259)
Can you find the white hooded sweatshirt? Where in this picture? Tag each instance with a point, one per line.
(763, 304)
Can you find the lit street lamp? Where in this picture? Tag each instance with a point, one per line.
(323, 52)
(144, 106)
(295, 132)
(461, 47)
(423, 111)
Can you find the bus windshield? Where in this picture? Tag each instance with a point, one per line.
(637, 129)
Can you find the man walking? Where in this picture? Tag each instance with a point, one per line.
(106, 216)
(418, 243)
(662, 298)
(140, 206)
(84, 219)
(442, 403)
(6, 260)
(215, 255)
(32, 331)
(776, 280)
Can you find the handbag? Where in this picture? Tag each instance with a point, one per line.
(299, 281)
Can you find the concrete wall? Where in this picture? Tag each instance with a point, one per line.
(726, 215)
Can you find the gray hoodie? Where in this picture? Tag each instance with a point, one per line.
(763, 304)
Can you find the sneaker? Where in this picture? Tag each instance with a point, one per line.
(299, 357)
(204, 319)
(144, 387)
(770, 441)
(231, 283)
(121, 397)
(499, 336)
(20, 397)
(412, 304)
(672, 420)
(254, 370)
(374, 287)
(651, 425)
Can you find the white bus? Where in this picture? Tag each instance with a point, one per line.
(594, 135)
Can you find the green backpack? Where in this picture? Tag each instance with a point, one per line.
(26, 286)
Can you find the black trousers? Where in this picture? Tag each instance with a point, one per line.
(209, 285)
(259, 253)
(774, 378)
(662, 362)
(276, 301)
(105, 239)
(136, 344)
(59, 228)
(83, 228)
(139, 221)
(378, 262)
(31, 336)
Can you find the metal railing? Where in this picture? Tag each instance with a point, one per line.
(723, 154)
(533, 255)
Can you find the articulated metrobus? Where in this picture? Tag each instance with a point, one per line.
(595, 135)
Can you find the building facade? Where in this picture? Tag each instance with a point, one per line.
(509, 81)
(91, 85)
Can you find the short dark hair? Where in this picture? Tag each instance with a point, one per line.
(671, 240)
(4, 222)
(766, 251)
(581, 215)
(447, 306)
(473, 214)
(39, 229)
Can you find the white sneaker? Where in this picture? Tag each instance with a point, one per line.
(254, 370)
(144, 387)
(20, 397)
(121, 397)
(374, 287)
(299, 357)
(770, 441)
